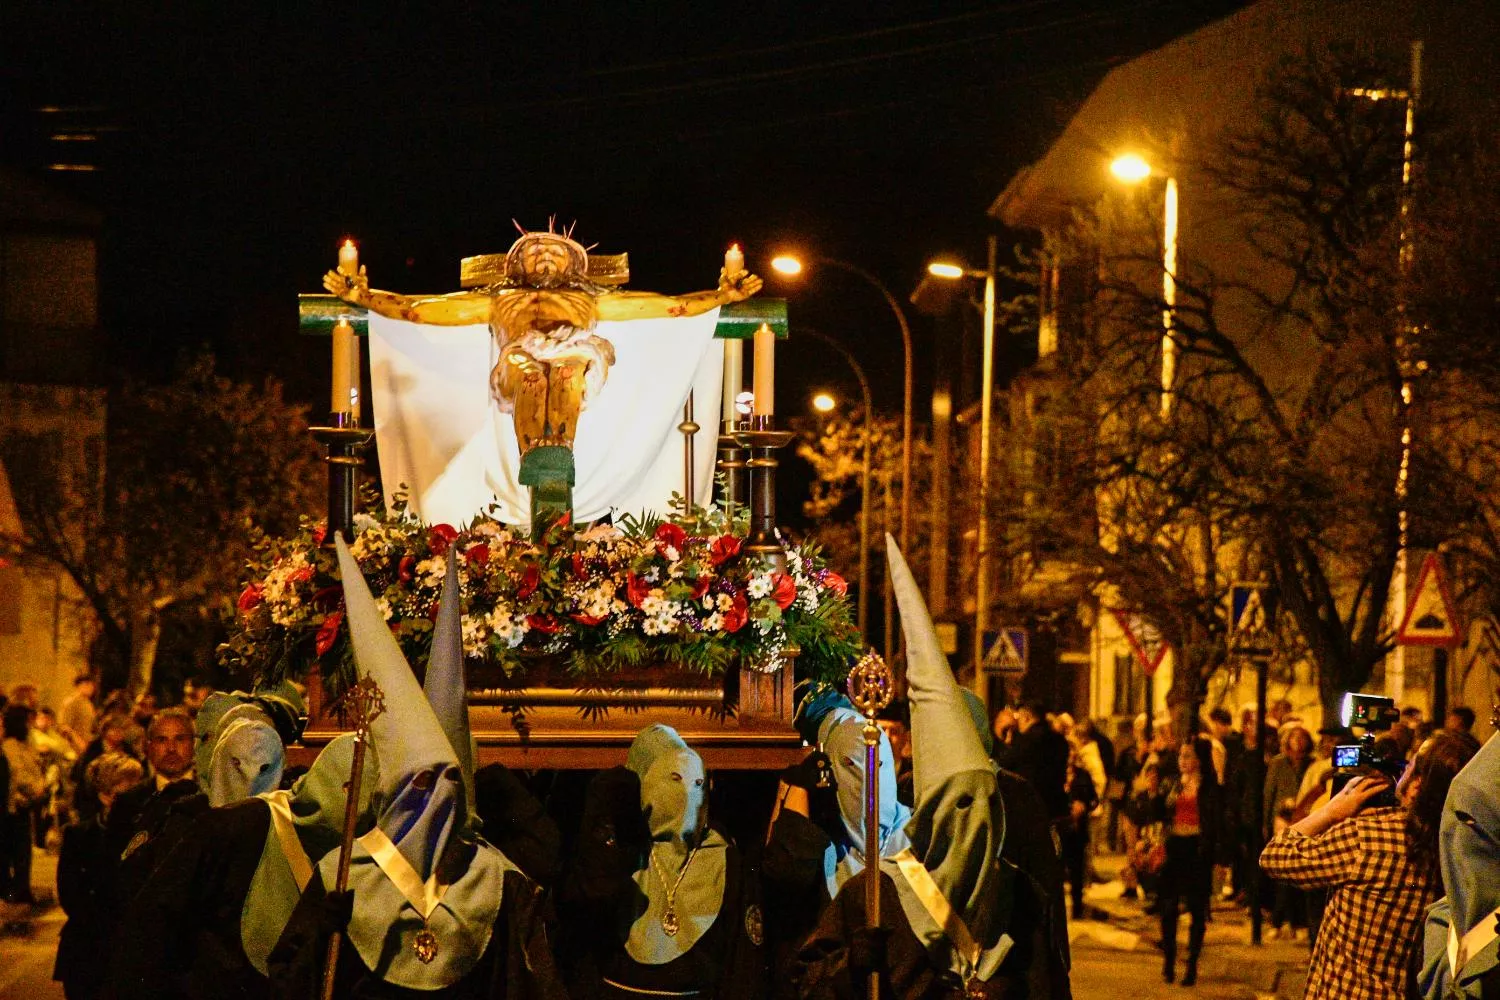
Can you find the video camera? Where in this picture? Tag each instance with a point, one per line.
(1373, 714)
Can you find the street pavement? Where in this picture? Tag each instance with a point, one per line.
(1116, 958)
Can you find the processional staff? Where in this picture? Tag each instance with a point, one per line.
(871, 685)
(365, 702)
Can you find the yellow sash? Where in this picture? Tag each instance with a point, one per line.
(423, 896)
(941, 911)
(286, 834)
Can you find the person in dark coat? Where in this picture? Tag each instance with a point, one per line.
(1038, 753)
(83, 890)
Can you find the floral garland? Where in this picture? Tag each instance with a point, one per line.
(603, 598)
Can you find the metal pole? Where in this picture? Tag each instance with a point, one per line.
(689, 428)
(986, 416)
(872, 837)
(1257, 829)
(346, 849)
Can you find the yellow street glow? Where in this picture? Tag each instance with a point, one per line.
(787, 264)
(824, 403)
(945, 269)
(1130, 168)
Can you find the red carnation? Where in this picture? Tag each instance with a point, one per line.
(737, 615)
(723, 549)
(406, 569)
(783, 590)
(439, 537)
(835, 583)
(328, 632)
(584, 619)
(319, 533)
(530, 580)
(701, 587)
(636, 590)
(250, 598)
(544, 623)
(477, 555)
(302, 575)
(670, 535)
(580, 567)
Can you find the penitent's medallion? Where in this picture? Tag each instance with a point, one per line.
(669, 922)
(425, 945)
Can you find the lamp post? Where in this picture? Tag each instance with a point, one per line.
(791, 266)
(821, 406)
(954, 272)
(1131, 168)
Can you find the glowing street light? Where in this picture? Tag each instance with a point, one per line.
(1130, 168)
(945, 269)
(787, 264)
(824, 403)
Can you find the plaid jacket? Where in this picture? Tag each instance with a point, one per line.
(1376, 903)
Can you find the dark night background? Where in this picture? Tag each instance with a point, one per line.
(236, 144)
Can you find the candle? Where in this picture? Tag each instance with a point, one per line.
(355, 409)
(345, 358)
(765, 371)
(734, 376)
(349, 258)
(734, 260)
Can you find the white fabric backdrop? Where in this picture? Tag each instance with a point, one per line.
(439, 432)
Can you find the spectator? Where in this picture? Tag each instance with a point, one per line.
(1460, 719)
(83, 873)
(1283, 780)
(1191, 807)
(1279, 713)
(895, 719)
(1073, 832)
(1088, 755)
(1122, 787)
(28, 788)
(1249, 782)
(27, 694)
(1412, 718)
(77, 716)
(57, 757)
(1380, 864)
(1038, 753)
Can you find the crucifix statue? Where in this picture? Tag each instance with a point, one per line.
(542, 301)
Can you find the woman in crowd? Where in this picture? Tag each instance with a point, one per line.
(1283, 780)
(1190, 805)
(83, 882)
(1380, 863)
(28, 787)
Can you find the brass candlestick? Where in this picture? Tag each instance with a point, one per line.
(733, 465)
(343, 441)
(763, 440)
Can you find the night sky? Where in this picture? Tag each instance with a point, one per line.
(239, 142)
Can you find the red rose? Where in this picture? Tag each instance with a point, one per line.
(544, 624)
(439, 537)
(407, 568)
(584, 619)
(737, 615)
(328, 632)
(319, 533)
(580, 568)
(636, 590)
(832, 581)
(783, 590)
(302, 575)
(723, 549)
(250, 598)
(670, 535)
(701, 587)
(477, 555)
(530, 580)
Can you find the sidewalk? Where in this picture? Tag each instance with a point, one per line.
(1121, 957)
(28, 937)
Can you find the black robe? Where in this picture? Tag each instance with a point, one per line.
(83, 891)
(179, 937)
(144, 825)
(1035, 968)
(796, 890)
(517, 963)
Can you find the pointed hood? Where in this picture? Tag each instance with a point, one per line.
(841, 735)
(959, 821)
(238, 752)
(444, 683)
(421, 781)
(1469, 840)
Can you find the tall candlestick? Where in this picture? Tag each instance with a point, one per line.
(345, 360)
(734, 376)
(765, 371)
(348, 258)
(734, 260)
(355, 396)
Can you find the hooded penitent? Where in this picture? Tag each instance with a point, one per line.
(307, 822)
(958, 825)
(683, 876)
(239, 752)
(426, 895)
(1469, 851)
(841, 735)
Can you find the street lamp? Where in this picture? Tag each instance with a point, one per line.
(792, 266)
(823, 403)
(1131, 168)
(952, 271)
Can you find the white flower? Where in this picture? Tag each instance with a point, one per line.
(386, 611)
(760, 585)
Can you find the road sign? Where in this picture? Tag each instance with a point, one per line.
(1144, 638)
(1252, 618)
(1431, 619)
(1007, 651)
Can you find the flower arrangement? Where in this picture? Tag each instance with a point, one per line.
(681, 591)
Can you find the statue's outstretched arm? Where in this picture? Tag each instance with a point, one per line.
(457, 309)
(652, 305)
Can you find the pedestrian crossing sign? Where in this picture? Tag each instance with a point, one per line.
(1252, 619)
(1431, 619)
(1007, 651)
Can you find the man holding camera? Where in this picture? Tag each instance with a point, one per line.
(1379, 861)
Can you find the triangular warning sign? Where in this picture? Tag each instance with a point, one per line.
(1252, 616)
(1144, 639)
(1431, 619)
(1003, 656)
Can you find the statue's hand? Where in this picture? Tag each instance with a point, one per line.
(352, 288)
(738, 287)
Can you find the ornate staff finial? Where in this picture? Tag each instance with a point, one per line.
(871, 684)
(362, 704)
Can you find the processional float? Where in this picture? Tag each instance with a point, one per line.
(619, 547)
